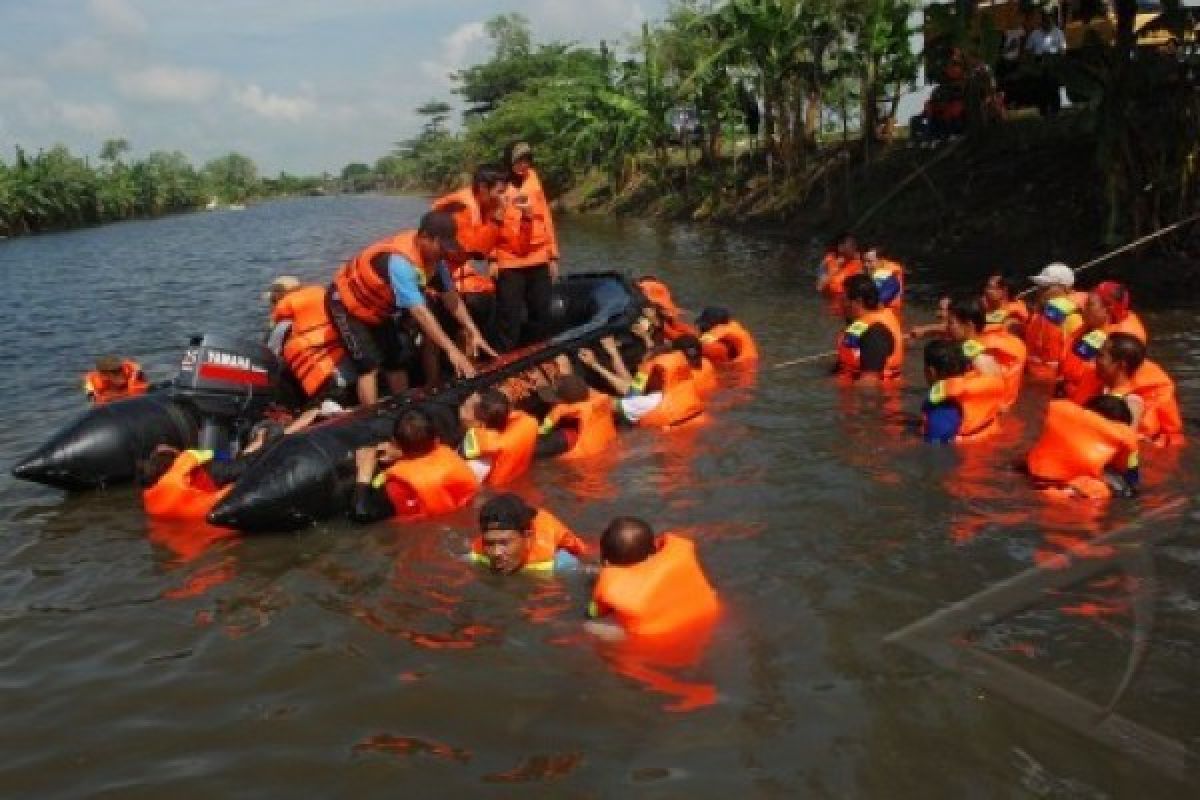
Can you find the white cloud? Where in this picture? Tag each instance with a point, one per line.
(119, 17)
(167, 84)
(274, 106)
(603, 19)
(82, 54)
(93, 118)
(22, 88)
(463, 46)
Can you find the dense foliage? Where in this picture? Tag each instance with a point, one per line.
(55, 190)
(713, 63)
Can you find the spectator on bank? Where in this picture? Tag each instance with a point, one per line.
(1046, 44)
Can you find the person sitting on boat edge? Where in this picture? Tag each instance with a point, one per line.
(391, 276)
(305, 339)
(1088, 451)
(426, 479)
(114, 378)
(516, 537)
(963, 405)
(870, 350)
(662, 394)
(648, 586)
(500, 441)
(725, 341)
(579, 423)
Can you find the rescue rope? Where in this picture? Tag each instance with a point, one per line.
(1122, 249)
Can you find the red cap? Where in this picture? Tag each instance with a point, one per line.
(1115, 298)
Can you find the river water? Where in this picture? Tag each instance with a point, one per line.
(137, 661)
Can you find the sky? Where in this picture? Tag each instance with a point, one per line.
(304, 86)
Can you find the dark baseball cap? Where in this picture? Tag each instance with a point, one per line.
(440, 225)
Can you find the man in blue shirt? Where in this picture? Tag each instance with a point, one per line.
(393, 276)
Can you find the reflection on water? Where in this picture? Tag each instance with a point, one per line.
(356, 662)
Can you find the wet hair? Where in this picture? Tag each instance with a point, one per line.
(1002, 282)
(712, 316)
(415, 433)
(1111, 407)
(494, 408)
(571, 389)
(862, 289)
(627, 541)
(842, 238)
(151, 469)
(946, 358)
(1127, 350)
(969, 309)
(488, 176)
(690, 347)
(506, 512)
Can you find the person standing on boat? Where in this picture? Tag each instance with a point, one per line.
(524, 280)
(394, 275)
(483, 225)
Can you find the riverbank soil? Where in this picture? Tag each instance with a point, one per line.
(1011, 199)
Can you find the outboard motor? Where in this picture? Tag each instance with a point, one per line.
(228, 382)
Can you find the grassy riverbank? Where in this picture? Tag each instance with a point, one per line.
(1012, 198)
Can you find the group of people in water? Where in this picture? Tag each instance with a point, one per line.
(1109, 400)
(406, 307)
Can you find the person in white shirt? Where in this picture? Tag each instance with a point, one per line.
(1046, 40)
(1046, 43)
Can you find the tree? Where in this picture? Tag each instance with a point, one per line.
(232, 178)
(112, 149)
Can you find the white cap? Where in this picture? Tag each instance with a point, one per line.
(1056, 274)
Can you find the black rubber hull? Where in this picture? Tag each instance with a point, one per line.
(305, 477)
(103, 446)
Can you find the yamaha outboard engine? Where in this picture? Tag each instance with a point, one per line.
(228, 382)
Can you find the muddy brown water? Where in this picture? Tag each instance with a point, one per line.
(139, 660)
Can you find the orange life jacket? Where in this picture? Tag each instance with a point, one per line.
(847, 344)
(510, 450)
(549, 535)
(1010, 352)
(185, 491)
(659, 294)
(100, 390)
(1013, 311)
(1048, 334)
(885, 269)
(594, 420)
(1078, 443)
(680, 400)
(729, 343)
(837, 271)
(1161, 422)
(313, 348)
(1131, 324)
(667, 592)
(979, 396)
(542, 242)
(365, 289)
(706, 377)
(436, 483)
(1077, 371)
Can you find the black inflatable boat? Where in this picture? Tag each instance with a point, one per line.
(226, 384)
(307, 476)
